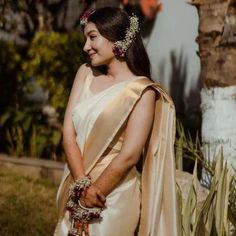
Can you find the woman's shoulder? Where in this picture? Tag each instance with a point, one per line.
(150, 88)
(84, 70)
(82, 73)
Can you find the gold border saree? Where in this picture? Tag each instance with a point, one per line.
(158, 205)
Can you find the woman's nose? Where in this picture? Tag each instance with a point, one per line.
(87, 46)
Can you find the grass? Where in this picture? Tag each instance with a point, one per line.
(27, 206)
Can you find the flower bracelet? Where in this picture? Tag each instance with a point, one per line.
(76, 210)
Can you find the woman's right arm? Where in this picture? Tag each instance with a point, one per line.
(71, 148)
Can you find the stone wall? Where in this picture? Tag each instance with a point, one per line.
(33, 167)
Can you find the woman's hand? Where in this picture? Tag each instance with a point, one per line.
(93, 198)
(90, 198)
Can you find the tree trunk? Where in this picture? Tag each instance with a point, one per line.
(217, 51)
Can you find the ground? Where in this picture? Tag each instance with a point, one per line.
(27, 206)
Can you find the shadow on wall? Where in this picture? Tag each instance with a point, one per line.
(188, 110)
(187, 106)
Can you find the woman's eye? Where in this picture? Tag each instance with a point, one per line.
(93, 37)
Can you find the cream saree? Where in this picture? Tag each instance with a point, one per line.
(100, 137)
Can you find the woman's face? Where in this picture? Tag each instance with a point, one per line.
(97, 47)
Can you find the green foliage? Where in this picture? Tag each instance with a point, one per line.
(11, 95)
(212, 217)
(217, 215)
(189, 209)
(27, 133)
(53, 59)
(9, 67)
(187, 149)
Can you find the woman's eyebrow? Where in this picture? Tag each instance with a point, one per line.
(91, 31)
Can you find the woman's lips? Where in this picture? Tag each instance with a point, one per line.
(92, 55)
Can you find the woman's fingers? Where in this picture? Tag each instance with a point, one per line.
(91, 202)
(101, 197)
(98, 203)
(86, 202)
(93, 198)
(83, 202)
(94, 203)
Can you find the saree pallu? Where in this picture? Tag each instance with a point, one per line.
(100, 121)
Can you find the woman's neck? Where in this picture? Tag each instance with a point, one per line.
(117, 70)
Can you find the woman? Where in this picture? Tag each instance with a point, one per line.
(116, 113)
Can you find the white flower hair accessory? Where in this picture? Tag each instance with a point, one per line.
(120, 47)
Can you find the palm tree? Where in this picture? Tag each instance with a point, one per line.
(217, 51)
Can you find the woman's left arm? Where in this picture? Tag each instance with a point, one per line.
(137, 131)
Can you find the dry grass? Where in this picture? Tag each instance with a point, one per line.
(27, 206)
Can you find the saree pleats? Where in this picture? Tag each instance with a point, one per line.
(159, 214)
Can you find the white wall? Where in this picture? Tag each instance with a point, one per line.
(176, 29)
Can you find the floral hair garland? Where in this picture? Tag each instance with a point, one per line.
(120, 47)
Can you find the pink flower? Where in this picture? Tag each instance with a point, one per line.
(84, 17)
(118, 51)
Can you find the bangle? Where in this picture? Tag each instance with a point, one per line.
(85, 214)
(83, 207)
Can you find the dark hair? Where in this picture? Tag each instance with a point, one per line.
(112, 24)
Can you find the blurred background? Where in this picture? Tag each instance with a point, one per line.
(192, 47)
(41, 50)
